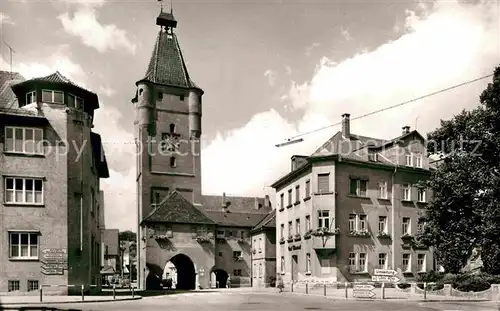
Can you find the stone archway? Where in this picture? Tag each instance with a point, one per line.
(185, 272)
(221, 277)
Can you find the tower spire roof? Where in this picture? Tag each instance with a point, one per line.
(167, 66)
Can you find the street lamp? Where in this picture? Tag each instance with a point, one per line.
(290, 142)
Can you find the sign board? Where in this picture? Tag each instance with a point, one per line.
(54, 261)
(385, 279)
(363, 294)
(385, 272)
(51, 271)
(363, 287)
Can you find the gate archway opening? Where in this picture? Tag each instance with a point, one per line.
(181, 270)
(221, 277)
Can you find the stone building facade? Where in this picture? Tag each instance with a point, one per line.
(206, 238)
(352, 207)
(51, 163)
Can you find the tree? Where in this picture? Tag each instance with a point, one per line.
(127, 236)
(464, 213)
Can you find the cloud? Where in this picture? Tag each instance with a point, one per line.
(271, 77)
(107, 90)
(345, 33)
(288, 70)
(310, 48)
(6, 19)
(103, 38)
(441, 46)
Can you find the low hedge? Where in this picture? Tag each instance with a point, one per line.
(465, 282)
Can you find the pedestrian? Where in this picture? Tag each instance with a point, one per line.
(280, 285)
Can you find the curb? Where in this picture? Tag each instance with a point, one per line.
(65, 302)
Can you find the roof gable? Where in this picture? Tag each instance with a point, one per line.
(268, 222)
(175, 208)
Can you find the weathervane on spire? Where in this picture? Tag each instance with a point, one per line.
(161, 5)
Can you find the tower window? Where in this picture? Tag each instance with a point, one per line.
(172, 128)
(140, 91)
(172, 162)
(182, 98)
(160, 95)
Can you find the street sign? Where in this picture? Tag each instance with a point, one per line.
(385, 279)
(363, 287)
(385, 272)
(50, 271)
(363, 294)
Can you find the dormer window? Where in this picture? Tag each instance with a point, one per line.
(75, 102)
(50, 96)
(31, 98)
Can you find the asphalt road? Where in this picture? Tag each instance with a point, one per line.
(236, 301)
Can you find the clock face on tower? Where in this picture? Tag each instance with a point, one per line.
(170, 142)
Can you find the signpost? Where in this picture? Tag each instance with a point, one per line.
(363, 291)
(385, 279)
(385, 272)
(54, 261)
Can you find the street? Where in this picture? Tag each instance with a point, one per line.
(227, 300)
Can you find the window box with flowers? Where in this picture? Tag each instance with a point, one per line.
(282, 240)
(325, 231)
(359, 233)
(383, 235)
(290, 238)
(161, 237)
(297, 237)
(281, 209)
(238, 258)
(407, 236)
(202, 239)
(308, 234)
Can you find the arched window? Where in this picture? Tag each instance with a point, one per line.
(140, 91)
(172, 128)
(172, 162)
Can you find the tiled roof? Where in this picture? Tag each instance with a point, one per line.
(268, 222)
(236, 204)
(167, 65)
(7, 79)
(235, 219)
(175, 208)
(58, 78)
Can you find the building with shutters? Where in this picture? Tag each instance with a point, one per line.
(51, 164)
(351, 207)
(206, 238)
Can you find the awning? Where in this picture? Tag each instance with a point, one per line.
(108, 270)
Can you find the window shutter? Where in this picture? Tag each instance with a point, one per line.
(323, 183)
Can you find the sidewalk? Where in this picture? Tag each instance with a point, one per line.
(24, 300)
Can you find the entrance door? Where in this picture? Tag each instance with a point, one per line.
(295, 268)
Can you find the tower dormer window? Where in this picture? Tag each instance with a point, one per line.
(50, 96)
(160, 95)
(31, 98)
(173, 162)
(172, 128)
(75, 102)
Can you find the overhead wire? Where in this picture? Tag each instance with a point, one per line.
(392, 107)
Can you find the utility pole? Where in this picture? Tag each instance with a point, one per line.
(11, 52)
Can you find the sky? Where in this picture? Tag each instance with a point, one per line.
(270, 70)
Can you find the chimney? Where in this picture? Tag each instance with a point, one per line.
(346, 126)
(224, 202)
(266, 201)
(256, 203)
(406, 129)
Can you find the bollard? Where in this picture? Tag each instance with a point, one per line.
(425, 291)
(114, 291)
(132, 292)
(345, 290)
(324, 289)
(307, 288)
(83, 295)
(41, 292)
(383, 291)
